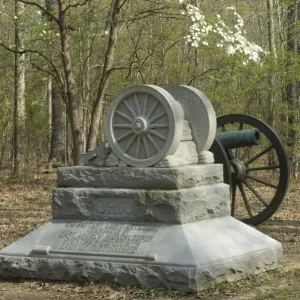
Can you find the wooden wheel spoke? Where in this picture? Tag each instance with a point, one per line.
(159, 126)
(250, 187)
(138, 146)
(145, 143)
(145, 105)
(245, 199)
(153, 119)
(124, 116)
(258, 155)
(130, 142)
(233, 196)
(238, 150)
(151, 139)
(263, 168)
(229, 154)
(262, 181)
(122, 126)
(150, 112)
(158, 134)
(125, 135)
(137, 104)
(130, 109)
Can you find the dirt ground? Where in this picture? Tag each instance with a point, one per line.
(26, 206)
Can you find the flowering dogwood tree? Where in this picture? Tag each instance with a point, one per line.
(231, 38)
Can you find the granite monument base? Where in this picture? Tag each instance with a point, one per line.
(186, 257)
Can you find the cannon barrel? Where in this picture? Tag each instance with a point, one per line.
(238, 139)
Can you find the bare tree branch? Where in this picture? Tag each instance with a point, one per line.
(43, 9)
(76, 5)
(46, 58)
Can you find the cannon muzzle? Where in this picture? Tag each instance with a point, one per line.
(238, 139)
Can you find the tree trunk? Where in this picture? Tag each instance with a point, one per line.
(70, 88)
(103, 84)
(57, 150)
(19, 98)
(292, 87)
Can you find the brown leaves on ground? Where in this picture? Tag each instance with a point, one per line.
(26, 206)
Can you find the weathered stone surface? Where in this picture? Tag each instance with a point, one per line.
(165, 206)
(186, 154)
(97, 156)
(188, 257)
(112, 161)
(206, 157)
(143, 178)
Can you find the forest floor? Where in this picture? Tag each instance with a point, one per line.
(26, 206)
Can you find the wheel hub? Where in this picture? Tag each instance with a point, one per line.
(238, 168)
(140, 125)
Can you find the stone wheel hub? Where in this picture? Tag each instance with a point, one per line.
(140, 125)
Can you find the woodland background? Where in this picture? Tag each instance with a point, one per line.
(62, 62)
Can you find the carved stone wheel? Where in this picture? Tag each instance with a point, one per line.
(144, 124)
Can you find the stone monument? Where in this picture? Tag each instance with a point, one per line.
(148, 207)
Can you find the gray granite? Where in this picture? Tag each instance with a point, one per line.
(186, 154)
(200, 113)
(164, 206)
(189, 257)
(143, 178)
(97, 156)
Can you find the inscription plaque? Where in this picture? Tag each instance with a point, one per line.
(105, 237)
(115, 206)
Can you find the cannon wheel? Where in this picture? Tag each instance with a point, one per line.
(258, 175)
(144, 124)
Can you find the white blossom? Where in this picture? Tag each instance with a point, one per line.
(231, 39)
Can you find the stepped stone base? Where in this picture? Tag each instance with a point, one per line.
(164, 206)
(141, 178)
(188, 257)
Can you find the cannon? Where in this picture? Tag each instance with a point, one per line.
(255, 165)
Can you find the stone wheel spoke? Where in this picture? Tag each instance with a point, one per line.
(130, 142)
(159, 126)
(130, 109)
(124, 116)
(138, 146)
(125, 135)
(150, 112)
(158, 134)
(146, 147)
(137, 104)
(122, 126)
(153, 119)
(145, 105)
(153, 142)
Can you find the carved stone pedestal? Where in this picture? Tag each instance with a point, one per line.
(180, 237)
